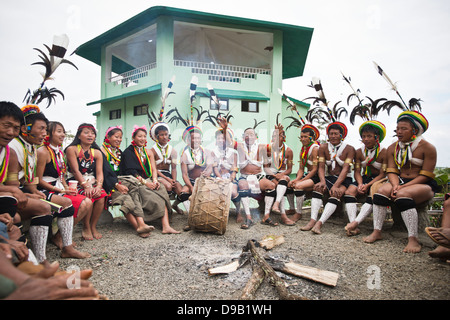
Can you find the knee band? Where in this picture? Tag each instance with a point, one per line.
(184, 197)
(404, 204)
(244, 193)
(45, 220)
(349, 199)
(369, 200)
(333, 200)
(299, 193)
(283, 183)
(237, 198)
(317, 195)
(270, 193)
(289, 190)
(65, 213)
(380, 200)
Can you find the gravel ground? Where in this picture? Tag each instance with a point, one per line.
(175, 267)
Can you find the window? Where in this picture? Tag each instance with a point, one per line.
(250, 106)
(223, 105)
(115, 114)
(140, 110)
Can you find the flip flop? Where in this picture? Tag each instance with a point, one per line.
(248, 223)
(439, 242)
(269, 222)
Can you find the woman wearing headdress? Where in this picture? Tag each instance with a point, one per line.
(335, 158)
(410, 164)
(137, 170)
(85, 164)
(52, 169)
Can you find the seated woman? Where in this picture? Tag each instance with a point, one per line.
(85, 163)
(137, 171)
(120, 194)
(51, 169)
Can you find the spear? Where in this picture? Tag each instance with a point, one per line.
(192, 89)
(292, 104)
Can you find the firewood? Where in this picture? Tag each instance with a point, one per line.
(271, 275)
(257, 277)
(268, 242)
(230, 267)
(322, 276)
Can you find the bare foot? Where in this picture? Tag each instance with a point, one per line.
(309, 226)
(290, 211)
(352, 229)
(286, 221)
(276, 207)
(440, 252)
(239, 218)
(317, 228)
(57, 240)
(170, 230)
(374, 236)
(71, 252)
(413, 245)
(297, 216)
(97, 235)
(177, 210)
(87, 234)
(145, 229)
(144, 234)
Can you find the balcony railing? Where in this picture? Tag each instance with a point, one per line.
(222, 72)
(132, 77)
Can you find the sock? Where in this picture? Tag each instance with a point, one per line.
(282, 206)
(65, 226)
(316, 203)
(299, 199)
(184, 199)
(329, 209)
(268, 201)
(291, 198)
(380, 203)
(366, 209)
(350, 207)
(407, 207)
(237, 203)
(39, 228)
(281, 190)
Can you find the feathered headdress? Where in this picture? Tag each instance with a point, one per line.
(50, 62)
(190, 122)
(300, 122)
(156, 121)
(330, 116)
(410, 111)
(366, 111)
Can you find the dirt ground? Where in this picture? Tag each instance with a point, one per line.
(175, 267)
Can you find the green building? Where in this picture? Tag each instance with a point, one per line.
(244, 60)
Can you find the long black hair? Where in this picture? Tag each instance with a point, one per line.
(77, 141)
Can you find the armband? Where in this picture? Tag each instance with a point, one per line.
(427, 174)
(12, 177)
(358, 165)
(321, 159)
(348, 160)
(384, 167)
(393, 170)
(315, 163)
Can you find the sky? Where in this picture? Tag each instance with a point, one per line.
(409, 39)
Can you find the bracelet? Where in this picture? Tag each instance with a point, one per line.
(12, 177)
(393, 170)
(348, 160)
(358, 165)
(84, 182)
(321, 159)
(427, 174)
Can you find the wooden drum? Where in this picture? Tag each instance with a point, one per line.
(210, 204)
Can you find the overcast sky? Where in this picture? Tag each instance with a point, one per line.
(409, 39)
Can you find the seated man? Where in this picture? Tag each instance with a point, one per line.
(23, 165)
(252, 181)
(305, 181)
(278, 166)
(337, 156)
(410, 165)
(441, 235)
(372, 159)
(166, 160)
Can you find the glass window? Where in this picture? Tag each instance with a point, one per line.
(140, 110)
(223, 105)
(115, 114)
(250, 106)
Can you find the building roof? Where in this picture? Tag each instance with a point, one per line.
(296, 39)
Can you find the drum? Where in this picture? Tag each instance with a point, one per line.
(210, 204)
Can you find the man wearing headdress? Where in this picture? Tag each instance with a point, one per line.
(41, 213)
(371, 160)
(335, 158)
(410, 164)
(278, 166)
(307, 175)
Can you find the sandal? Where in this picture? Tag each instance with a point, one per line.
(248, 223)
(269, 222)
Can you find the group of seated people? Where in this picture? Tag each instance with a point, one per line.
(41, 182)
